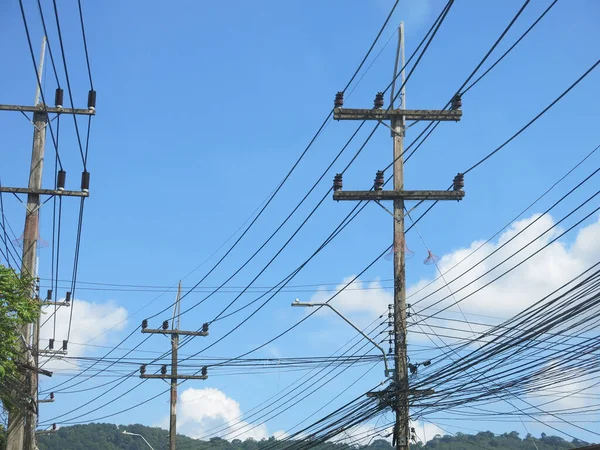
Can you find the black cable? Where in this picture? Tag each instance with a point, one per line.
(294, 166)
(468, 88)
(87, 56)
(76, 264)
(62, 49)
(39, 82)
(49, 46)
(554, 102)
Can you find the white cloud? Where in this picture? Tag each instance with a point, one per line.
(579, 390)
(280, 434)
(535, 278)
(202, 411)
(89, 321)
(426, 431)
(364, 434)
(360, 298)
(546, 271)
(531, 281)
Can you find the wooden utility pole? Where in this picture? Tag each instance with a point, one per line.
(23, 431)
(398, 195)
(17, 428)
(174, 348)
(175, 332)
(400, 352)
(22, 423)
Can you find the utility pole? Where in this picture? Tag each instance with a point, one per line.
(398, 195)
(175, 332)
(22, 424)
(174, 348)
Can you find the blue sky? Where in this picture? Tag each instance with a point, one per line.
(203, 108)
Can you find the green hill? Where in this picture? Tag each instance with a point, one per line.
(110, 437)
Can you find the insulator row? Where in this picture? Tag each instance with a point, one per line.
(377, 104)
(61, 179)
(51, 344)
(59, 95)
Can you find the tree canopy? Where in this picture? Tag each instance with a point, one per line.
(111, 437)
(17, 308)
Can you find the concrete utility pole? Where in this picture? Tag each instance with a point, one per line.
(175, 332)
(398, 195)
(22, 423)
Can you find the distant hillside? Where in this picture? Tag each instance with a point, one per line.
(109, 437)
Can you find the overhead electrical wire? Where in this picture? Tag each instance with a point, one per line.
(315, 136)
(289, 173)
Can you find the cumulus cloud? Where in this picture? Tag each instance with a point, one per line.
(364, 434)
(426, 431)
(366, 299)
(579, 390)
(280, 434)
(535, 278)
(90, 320)
(203, 411)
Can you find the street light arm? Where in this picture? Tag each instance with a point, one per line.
(387, 370)
(136, 434)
